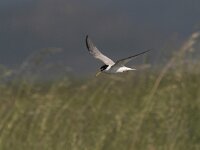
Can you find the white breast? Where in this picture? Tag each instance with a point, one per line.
(123, 69)
(110, 69)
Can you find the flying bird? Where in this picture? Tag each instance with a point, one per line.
(109, 65)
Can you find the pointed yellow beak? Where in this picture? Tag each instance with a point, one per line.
(98, 73)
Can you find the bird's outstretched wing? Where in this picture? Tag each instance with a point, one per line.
(96, 53)
(124, 61)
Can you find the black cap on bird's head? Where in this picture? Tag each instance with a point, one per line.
(103, 67)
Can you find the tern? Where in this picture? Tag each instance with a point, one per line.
(110, 66)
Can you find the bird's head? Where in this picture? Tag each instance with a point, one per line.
(104, 67)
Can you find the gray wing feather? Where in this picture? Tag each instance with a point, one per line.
(124, 61)
(96, 53)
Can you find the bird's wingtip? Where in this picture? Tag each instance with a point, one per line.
(87, 45)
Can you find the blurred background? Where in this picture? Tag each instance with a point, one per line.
(118, 28)
(50, 98)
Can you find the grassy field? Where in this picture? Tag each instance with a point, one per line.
(109, 112)
(142, 110)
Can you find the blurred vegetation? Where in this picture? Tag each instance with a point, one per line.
(146, 109)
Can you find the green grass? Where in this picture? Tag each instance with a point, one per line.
(142, 110)
(105, 113)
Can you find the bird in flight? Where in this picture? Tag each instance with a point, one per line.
(109, 65)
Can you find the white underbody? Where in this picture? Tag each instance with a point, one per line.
(111, 69)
